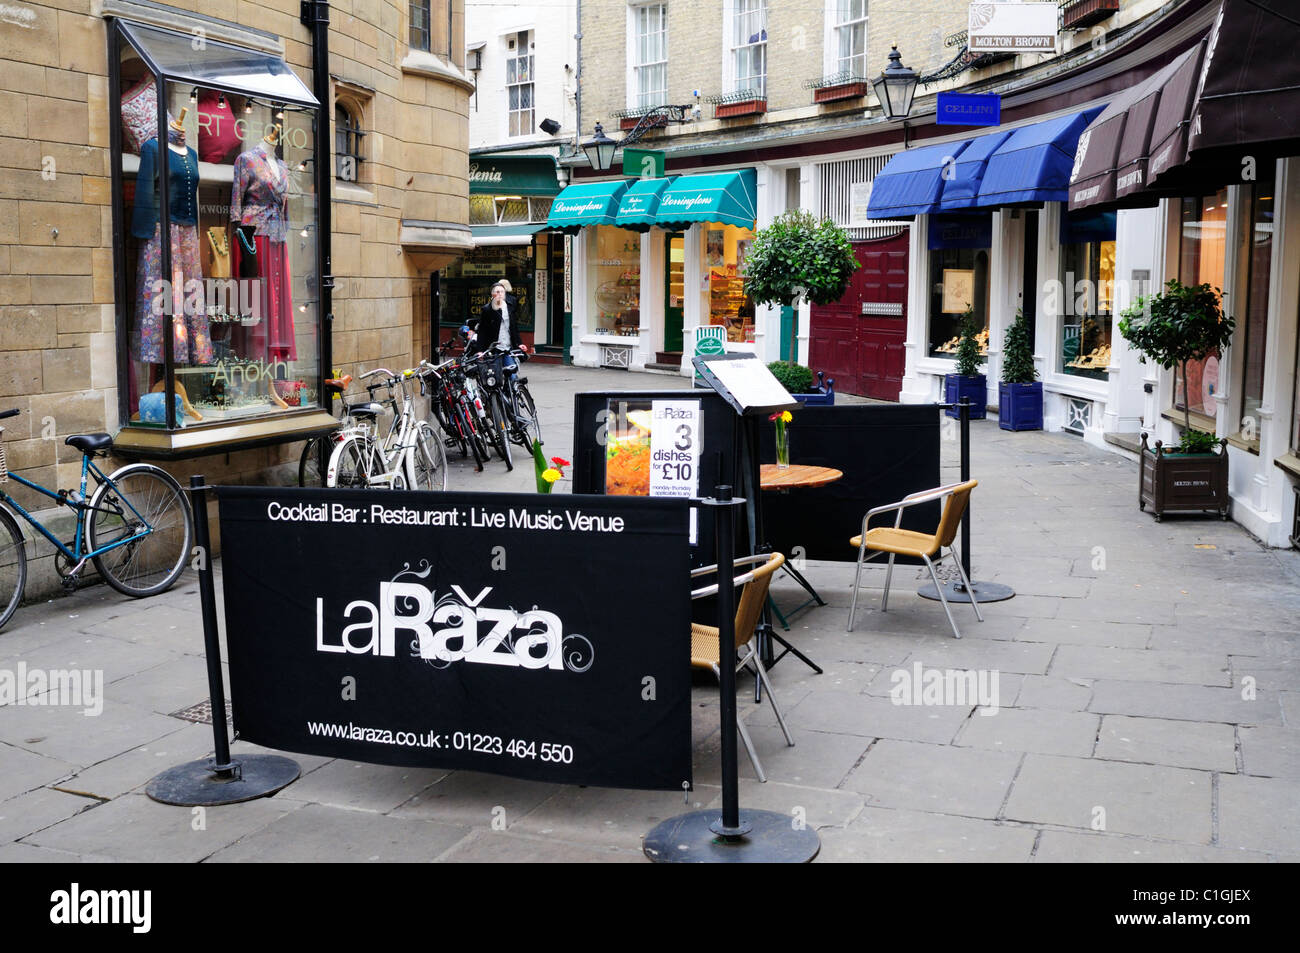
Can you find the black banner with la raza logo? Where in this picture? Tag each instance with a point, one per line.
(541, 637)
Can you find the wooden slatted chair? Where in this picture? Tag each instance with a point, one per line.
(704, 638)
(896, 541)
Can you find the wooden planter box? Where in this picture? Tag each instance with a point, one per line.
(1020, 406)
(834, 94)
(750, 107)
(1083, 13)
(1183, 482)
(955, 387)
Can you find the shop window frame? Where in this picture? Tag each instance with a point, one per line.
(523, 51)
(738, 81)
(353, 135)
(218, 435)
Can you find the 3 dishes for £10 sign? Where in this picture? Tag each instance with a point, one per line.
(538, 637)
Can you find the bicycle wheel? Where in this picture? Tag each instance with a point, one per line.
(311, 469)
(429, 459)
(473, 439)
(530, 428)
(349, 466)
(140, 498)
(13, 566)
(501, 429)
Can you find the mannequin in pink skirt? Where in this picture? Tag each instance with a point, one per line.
(260, 198)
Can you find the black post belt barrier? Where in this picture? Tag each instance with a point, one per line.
(955, 591)
(734, 835)
(217, 780)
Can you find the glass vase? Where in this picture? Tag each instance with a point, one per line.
(782, 445)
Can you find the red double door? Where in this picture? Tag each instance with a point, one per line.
(858, 340)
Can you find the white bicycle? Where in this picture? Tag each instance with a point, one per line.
(410, 456)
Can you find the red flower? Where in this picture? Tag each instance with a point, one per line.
(560, 461)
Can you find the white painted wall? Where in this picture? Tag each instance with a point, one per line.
(555, 64)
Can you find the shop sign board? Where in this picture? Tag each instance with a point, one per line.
(675, 448)
(968, 109)
(1012, 27)
(643, 163)
(859, 199)
(515, 634)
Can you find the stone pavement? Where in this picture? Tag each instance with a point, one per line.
(1147, 692)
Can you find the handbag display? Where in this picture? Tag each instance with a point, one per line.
(218, 253)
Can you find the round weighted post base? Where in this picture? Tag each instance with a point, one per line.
(772, 839)
(198, 783)
(984, 592)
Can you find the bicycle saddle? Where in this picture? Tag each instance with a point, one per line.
(371, 409)
(90, 442)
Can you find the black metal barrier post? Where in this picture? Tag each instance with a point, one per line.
(217, 780)
(734, 836)
(954, 590)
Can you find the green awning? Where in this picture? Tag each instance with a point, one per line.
(587, 203)
(729, 198)
(504, 234)
(512, 175)
(640, 205)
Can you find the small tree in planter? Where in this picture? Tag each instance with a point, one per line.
(968, 381)
(798, 258)
(1020, 395)
(1183, 323)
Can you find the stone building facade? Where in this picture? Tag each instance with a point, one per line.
(397, 102)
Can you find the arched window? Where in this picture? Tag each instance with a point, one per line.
(348, 135)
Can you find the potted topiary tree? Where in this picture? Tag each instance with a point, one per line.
(968, 381)
(1020, 394)
(798, 258)
(1181, 324)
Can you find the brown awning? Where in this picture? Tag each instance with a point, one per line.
(1250, 90)
(1173, 119)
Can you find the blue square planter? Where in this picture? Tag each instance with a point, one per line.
(955, 387)
(1020, 406)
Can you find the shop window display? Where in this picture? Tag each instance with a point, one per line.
(227, 307)
(1202, 246)
(1088, 306)
(615, 280)
(959, 280)
(725, 248)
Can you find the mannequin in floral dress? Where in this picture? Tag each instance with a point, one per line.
(260, 198)
(191, 342)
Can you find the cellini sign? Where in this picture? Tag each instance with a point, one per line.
(1012, 27)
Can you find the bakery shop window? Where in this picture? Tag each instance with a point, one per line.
(216, 223)
(959, 279)
(1088, 292)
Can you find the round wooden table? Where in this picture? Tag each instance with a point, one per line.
(795, 476)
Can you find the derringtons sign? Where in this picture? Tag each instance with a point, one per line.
(538, 637)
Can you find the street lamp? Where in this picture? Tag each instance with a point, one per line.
(600, 150)
(895, 88)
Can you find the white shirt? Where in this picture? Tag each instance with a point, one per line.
(503, 337)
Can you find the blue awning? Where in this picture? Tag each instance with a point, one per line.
(728, 198)
(639, 207)
(911, 183)
(586, 203)
(1035, 161)
(963, 187)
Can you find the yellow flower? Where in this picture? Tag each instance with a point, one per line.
(550, 474)
(786, 416)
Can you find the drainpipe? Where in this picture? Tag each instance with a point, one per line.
(315, 16)
(577, 88)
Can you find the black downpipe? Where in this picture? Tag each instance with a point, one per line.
(316, 17)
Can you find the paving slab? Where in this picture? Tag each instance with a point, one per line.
(1074, 847)
(1212, 639)
(1143, 665)
(887, 835)
(1260, 813)
(1270, 751)
(30, 812)
(66, 733)
(1054, 691)
(611, 817)
(134, 828)
(1040, 730)
(507, 847)
(1180, 744)
(28, 854)
(475, 799)
(874, 717)
(934, 778)
(362, 787)
(818, 759)
(1020, 657)
(1269, 672)
(132, 770)
(1184, 702)
(318, 834)
(1123, 635)
(22, 770)
(810, 807)
(1153, 801)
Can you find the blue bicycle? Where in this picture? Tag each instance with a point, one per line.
(135, 526)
